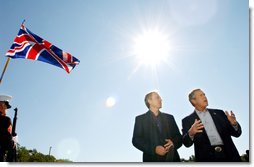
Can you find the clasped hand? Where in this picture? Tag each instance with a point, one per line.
(162, 150)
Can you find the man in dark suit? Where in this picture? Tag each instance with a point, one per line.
(210, 130)
(156, 133)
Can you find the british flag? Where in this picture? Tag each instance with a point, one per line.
(28, 45)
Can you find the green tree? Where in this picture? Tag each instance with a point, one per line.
(22, 154)
(245, 158)
(25, 155)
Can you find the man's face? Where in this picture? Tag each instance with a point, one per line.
(200, 99)
(155, 101)
(2, 108)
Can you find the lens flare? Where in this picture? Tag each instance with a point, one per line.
(110, 102)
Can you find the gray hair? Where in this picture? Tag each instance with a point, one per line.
(148, 96)
(192, 95)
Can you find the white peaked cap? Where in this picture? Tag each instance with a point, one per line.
(5, 98)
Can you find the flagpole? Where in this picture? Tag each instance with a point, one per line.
(5, 67)
(7, 62)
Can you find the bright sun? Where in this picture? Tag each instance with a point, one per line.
(151, 48)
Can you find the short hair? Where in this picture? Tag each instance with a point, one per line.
(148, 96)
(192, 95)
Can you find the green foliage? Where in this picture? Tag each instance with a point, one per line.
(245, 158)
(25, 155)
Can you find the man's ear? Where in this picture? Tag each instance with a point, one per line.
(193, 102)
(149, 101)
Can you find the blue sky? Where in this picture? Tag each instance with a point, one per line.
(209, 44)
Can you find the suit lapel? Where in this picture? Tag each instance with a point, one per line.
(195, 116)
(151, 121)
(165, 126)
(153, 130)
(156, 135)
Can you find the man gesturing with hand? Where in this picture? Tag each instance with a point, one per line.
(210, 131)
(196, 128)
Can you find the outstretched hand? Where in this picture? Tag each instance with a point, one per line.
(196, 128)
(231, 117)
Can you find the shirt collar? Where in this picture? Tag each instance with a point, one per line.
(200, 112)
(159, 113)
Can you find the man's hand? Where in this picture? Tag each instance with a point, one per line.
(168, 145)
(196, 128)
(15, 141)
(160, 150)
(231, 118)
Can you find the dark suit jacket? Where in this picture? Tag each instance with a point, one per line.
(146, 136)
(201, 142)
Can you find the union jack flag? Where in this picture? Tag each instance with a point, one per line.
(28, 45)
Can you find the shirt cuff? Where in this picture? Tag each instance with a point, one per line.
(236, 127)
(191, 137)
